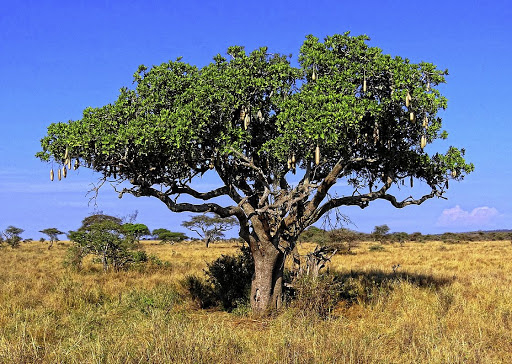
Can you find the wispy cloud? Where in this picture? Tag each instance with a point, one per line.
(483, 216)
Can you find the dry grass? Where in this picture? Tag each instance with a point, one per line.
(445, 304)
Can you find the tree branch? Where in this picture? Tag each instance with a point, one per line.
(221, 191)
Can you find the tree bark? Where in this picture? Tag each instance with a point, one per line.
(267, 282)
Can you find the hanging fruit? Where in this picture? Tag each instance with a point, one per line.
(454, 173)
(260, 115)
(412, 182)
(242, 113)
(77, 164)
(317, 155)
(411, 116)
(64, 172)
(408, 99)
(59, 176)
(364, 84)
(69, 163)
(423, 142)
(247, 121)
(66, 154)
(51, 174)
(314, 76)
(425, 122)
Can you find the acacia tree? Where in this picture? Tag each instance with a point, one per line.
(135, 231)
(379, 232)
(12, 236)
(53, 234)
(209, 228)
(348, 112)
(166, 236)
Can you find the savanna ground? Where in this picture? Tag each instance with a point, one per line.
(446, 303)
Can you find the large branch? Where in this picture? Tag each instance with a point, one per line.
(364, 200)
(221, 191)
(184, 207)
(188, 207)
(322, 191)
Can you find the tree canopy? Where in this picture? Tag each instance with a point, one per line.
(347, 111)
(209, 228)
(53, 234)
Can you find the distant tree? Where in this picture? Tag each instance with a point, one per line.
(399, 237)
(156, 233)
(380, 232)
(343, 239)
(53, 235)
(12, 236)
(416, 236)
(135, 231)
(313, 235)
(172, 237)
(210, 228)
(104, 237)
(99, 218)
(166, 236)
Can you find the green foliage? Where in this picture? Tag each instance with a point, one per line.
(200, 290)
(53, 234)
(228, 281)
(100, 218)
(210, 228)
(103, 236)
(180, 120)
(12, 236)
(314, 235)
(135, 231)
(166, 236)
(380, 232)
(399, 237)
(231, 278)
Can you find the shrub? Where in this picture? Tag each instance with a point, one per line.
(231, 278)
(200, 290)
(376, 248)
(228, 281)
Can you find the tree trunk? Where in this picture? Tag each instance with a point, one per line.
(267, 282)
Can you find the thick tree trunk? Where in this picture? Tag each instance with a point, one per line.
(267, 282)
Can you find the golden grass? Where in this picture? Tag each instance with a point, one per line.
(463, 314)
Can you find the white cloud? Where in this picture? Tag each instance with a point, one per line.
(478, 217)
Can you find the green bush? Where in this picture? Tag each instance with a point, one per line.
(231, 278)
(201, 291)
(228, 281)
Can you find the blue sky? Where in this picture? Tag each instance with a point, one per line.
(59, 57)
